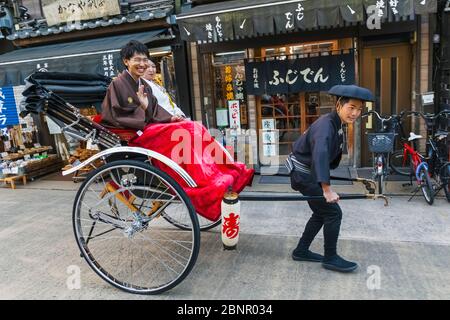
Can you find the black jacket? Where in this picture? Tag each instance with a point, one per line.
(320, 147)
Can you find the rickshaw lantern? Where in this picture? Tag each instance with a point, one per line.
(231, 210)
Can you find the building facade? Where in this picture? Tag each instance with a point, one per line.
(272, 63)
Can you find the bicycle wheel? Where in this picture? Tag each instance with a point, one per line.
(399, 164)
(118, 227)
(426, 185)
(445, 180)
(380, 179)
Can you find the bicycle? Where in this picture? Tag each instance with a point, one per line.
(409, 162)
(437, 156)
(381, 144)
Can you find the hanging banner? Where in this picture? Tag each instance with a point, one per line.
(255, 74)
(231, 20)
(300, 75)
(8, 107)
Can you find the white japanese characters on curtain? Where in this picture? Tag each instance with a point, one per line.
(300, 75)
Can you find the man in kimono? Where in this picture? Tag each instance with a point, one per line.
(130, 104)
(129, 101)
(317, 151)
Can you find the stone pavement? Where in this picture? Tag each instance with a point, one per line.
(403, 251)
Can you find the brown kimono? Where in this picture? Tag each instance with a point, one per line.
(121, 107)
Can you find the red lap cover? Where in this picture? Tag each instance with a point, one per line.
(190, 145)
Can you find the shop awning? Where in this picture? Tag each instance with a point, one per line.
(88, 56)
(237, 19)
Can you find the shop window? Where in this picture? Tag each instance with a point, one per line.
(227, 72)
(293, 113)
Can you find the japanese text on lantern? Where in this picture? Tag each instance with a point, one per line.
(231, 226)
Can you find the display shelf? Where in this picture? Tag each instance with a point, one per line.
(17, 156)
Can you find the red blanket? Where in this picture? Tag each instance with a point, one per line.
(190, 145)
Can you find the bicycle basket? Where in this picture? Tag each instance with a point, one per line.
(380, 142)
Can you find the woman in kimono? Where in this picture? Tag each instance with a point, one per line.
(130, 104)
(317, 151)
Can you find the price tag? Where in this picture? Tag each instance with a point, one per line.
(4, 154)
(37, 145)
(26, 157)
(22, 147)
(15, 170)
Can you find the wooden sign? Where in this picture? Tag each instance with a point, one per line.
(62, 11)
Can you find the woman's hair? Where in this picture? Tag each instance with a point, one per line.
(133, 47)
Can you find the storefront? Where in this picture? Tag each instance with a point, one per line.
(276, 60)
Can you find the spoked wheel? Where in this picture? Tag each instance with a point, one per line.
(445, 180)
(119, 230)
(180, 222)
(400, 163)
(426, 185)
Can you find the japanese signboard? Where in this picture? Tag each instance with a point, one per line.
(269, 138)
(61, 11)
(229, 83)
(300, 75)
(235, 114)
(277, 17)
(109, 65)
(8, 108)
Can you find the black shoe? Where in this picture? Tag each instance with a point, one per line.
(336, 263)
(306, 256)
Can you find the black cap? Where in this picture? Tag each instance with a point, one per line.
(352, 91)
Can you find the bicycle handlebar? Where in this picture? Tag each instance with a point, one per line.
(426, 116)
(377, 114)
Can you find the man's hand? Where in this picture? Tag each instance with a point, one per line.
(143, 100)
(176, 119)
(330, 195)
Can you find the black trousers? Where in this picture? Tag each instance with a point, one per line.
(326, 215)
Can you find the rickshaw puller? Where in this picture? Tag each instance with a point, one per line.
(315, 152)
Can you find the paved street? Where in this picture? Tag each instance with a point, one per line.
(403, 251)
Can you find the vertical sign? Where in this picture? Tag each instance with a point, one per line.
(108, 65)
(229, 83)
(235, 115)
(8, 108)
(269, 137)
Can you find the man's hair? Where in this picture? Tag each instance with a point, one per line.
(343, 100)
(133, 47)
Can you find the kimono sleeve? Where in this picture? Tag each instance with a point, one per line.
(118, 114)
(156, 113)
(320, 151)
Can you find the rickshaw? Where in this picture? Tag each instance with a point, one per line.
(134, 224)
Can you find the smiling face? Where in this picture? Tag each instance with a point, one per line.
(150, 73)
(350, 110)
(137, 65)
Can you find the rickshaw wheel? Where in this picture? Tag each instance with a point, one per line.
(118, 227)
